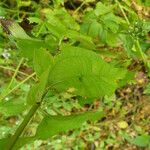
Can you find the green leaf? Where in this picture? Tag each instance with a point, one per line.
(111, 22)
(54, 25)
(102, 25)
(85, 41)
(83, 101)
(41, 61)
(28, 46)
(12, 107)
(3, 143)
(66, 19)
(129, 78)
(52, 125)
(142, 141)
(20, 142)
(101, 9)
(111, 39)
(147, 89)
(144, 2)
(85, 72)
(35, 20)
(37, 91)
(2, 11)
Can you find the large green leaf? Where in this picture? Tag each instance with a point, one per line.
(84, 72)
(52, 125)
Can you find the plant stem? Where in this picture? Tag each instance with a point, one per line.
(126, 18)
(13, 70)
(84, 2)
(15, 73)
(141, 52)
(24, 123)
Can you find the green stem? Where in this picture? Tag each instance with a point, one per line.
(25, 122)
(13, 70)
(124, 14)
(18, 85)
(22, 126)
(15, 11)
(15, 73)
(84, 2)
(141, 52)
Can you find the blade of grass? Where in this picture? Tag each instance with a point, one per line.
(13, 70)
(17, 86)
(14, 75)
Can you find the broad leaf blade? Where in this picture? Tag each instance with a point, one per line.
(85, 72)
(52, 125)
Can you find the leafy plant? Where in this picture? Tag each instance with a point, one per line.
(75, 69)
(66, 58)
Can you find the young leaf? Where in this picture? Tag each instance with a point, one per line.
(37, 91)
(85, 72)
(52, 125)
(41, 61)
